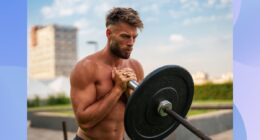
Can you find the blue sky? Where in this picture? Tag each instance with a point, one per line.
(195, 34)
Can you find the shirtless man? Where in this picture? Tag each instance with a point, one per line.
(99, 81)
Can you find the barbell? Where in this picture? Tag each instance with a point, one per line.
(159, 104)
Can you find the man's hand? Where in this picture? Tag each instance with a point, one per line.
(121, 77)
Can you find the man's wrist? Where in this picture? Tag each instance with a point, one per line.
(117, 90)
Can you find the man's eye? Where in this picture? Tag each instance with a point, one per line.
(126, 37)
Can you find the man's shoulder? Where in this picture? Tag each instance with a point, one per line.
(134, 62)
(86, 64)
(138, 68)
(84, 69)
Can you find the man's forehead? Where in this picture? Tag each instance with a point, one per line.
(124, 28)
(130, 34)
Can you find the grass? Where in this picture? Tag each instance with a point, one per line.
(198, 112)
(62, 113)
(65, 112)
(51, 107)
(212, 102)
(71, 114)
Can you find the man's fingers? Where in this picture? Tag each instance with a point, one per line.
(113, 72)
(127, 70)
(127, 79)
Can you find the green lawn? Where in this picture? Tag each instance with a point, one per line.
(53, 107)
(62, 113)
(71, 114)
(212, 102)
(65, 109)
(197, 112)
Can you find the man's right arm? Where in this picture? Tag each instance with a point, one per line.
(87, 109)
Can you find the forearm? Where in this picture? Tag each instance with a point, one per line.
(99, 110)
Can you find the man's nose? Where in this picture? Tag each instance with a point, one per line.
(131, 42)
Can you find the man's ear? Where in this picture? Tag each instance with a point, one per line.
(108, 33)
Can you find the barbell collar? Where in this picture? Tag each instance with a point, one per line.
(133, 84)
(165, 104)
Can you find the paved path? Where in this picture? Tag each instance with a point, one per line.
(227, 135)
(47, 134)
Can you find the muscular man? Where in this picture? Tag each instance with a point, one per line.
(99, 81)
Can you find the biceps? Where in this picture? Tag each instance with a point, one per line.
(82, 98)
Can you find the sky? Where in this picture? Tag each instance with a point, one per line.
(194, 34)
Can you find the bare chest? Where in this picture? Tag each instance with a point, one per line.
(104, 82)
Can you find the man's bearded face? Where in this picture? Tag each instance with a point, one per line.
(118, 50)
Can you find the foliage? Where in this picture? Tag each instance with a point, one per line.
(57, 99)
(34, 102)
(202, 92)
(214, 92)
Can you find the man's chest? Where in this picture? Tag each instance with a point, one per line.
(104, 82)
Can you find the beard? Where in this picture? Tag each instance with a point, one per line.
(117, 51)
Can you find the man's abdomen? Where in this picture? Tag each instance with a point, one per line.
(111, 127)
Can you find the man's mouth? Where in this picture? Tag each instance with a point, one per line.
(129, 50)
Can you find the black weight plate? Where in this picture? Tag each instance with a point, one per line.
(172, 83)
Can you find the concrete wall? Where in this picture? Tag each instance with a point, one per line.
(210, 124)
(48, 121)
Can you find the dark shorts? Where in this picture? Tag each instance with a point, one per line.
(77, 138)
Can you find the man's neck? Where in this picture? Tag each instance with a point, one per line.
(110, 58)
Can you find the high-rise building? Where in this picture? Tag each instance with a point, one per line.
(52, 51)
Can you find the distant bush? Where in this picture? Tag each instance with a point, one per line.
(57, 99)
(34, 102)
(214, 92)
(203, 92)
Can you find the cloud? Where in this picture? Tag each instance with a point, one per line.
(81, 24)
(214, 41)
(217, 3)
(183, 1)
(225, 2)
(190, 5)
(201, 53)
(87, 28)
(63, 8)
(151, 8)
(151, 20)
(205, 19)
(102, 9)
(178, 40)
(228, 16)
(211, 2)
(176, 13)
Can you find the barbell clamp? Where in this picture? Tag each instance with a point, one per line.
(165, 104)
